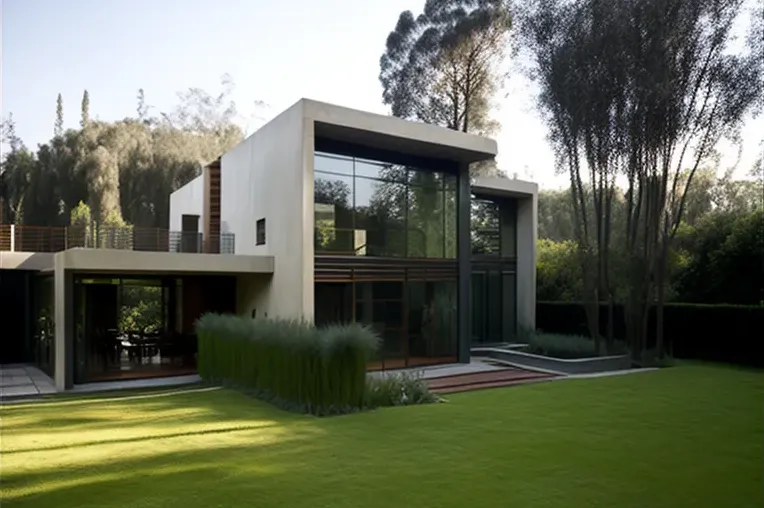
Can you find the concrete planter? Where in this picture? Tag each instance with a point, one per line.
(554, 365)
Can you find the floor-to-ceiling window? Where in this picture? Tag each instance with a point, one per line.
(142, 326)
(494, 263)
(386, 248)
(43, 338)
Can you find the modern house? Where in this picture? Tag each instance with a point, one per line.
(326, 214)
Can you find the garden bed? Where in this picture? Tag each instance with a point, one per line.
(557, 354)
(553, 365)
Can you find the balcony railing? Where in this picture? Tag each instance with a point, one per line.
(58, 238)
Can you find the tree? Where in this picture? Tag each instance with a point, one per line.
(58, 130)
(443, 67)
(85, 109)
(142, 109)
(639, 89)
(16, 165)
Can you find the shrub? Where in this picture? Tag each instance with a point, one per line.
(397, 389)
(721, 333)
(290, 363)
(566, 346)
(561, 346)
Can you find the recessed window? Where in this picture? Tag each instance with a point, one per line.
(260, 232)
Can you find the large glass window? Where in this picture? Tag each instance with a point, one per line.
(414, 313)
(44, 330)
(372, 208)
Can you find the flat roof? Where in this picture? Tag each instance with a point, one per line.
(35, 261)
(504, 187)
(116, 261)
(395, 134)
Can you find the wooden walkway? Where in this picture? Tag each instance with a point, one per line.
(478, 381)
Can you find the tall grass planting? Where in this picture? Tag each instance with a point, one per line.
(289, 363)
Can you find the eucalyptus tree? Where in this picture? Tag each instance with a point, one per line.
(444, 66)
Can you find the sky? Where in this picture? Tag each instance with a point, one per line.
(275, 52)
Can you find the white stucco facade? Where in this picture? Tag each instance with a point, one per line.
(188, 200)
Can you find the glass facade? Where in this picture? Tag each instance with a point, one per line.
(493, 283)
(395, 228)
(415, 316)
(43, 338)
(372, 208)
(138, 327)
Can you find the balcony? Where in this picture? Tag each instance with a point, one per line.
(59, 238)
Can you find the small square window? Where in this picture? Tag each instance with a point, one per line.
(260, 232)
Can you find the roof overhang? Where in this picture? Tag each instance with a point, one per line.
(504, 188)
(395, 134)
(121, 261)
(35, 261)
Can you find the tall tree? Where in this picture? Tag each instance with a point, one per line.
(443, 67)
(85, 109)
(16, 164)
(645, 88)
(142, 108)
(58, 129)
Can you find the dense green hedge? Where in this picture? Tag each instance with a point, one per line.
(289, 363)
(723, 333)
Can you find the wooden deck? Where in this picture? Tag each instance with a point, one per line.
(483, 380)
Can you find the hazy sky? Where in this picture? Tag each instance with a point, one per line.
(276, 52)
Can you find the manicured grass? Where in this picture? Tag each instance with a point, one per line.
(688, 436)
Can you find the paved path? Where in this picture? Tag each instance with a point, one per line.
(22, 381)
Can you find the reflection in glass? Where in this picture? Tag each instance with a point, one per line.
(484, 230)
(493, 306)
(371, 208)
(333, 207)
(329, 163)
(45, 325)
(380, 305)
(432, 330)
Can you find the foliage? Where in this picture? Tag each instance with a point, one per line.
(720, 333)
(298, 367)
(127, 168)
(558, 273)
(561, 346)
(640, 89)
(141, 308)
(724, 264)
(442, 67)
(397, 389)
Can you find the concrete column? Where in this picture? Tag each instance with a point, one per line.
(63, 318)
(527, 223)
(13, 237)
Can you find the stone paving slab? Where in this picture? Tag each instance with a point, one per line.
(12, 371)
(15, 381)
(19, 391)
(24, 381)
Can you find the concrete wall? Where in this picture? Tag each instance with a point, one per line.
(527, 226)
(526, 196)
(269, 176)
(188, 200)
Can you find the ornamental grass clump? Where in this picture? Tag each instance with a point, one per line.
(290, 363)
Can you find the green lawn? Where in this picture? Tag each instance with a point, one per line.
(690, 436)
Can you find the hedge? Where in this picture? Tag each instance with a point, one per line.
(292, 364)
(721, 333)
